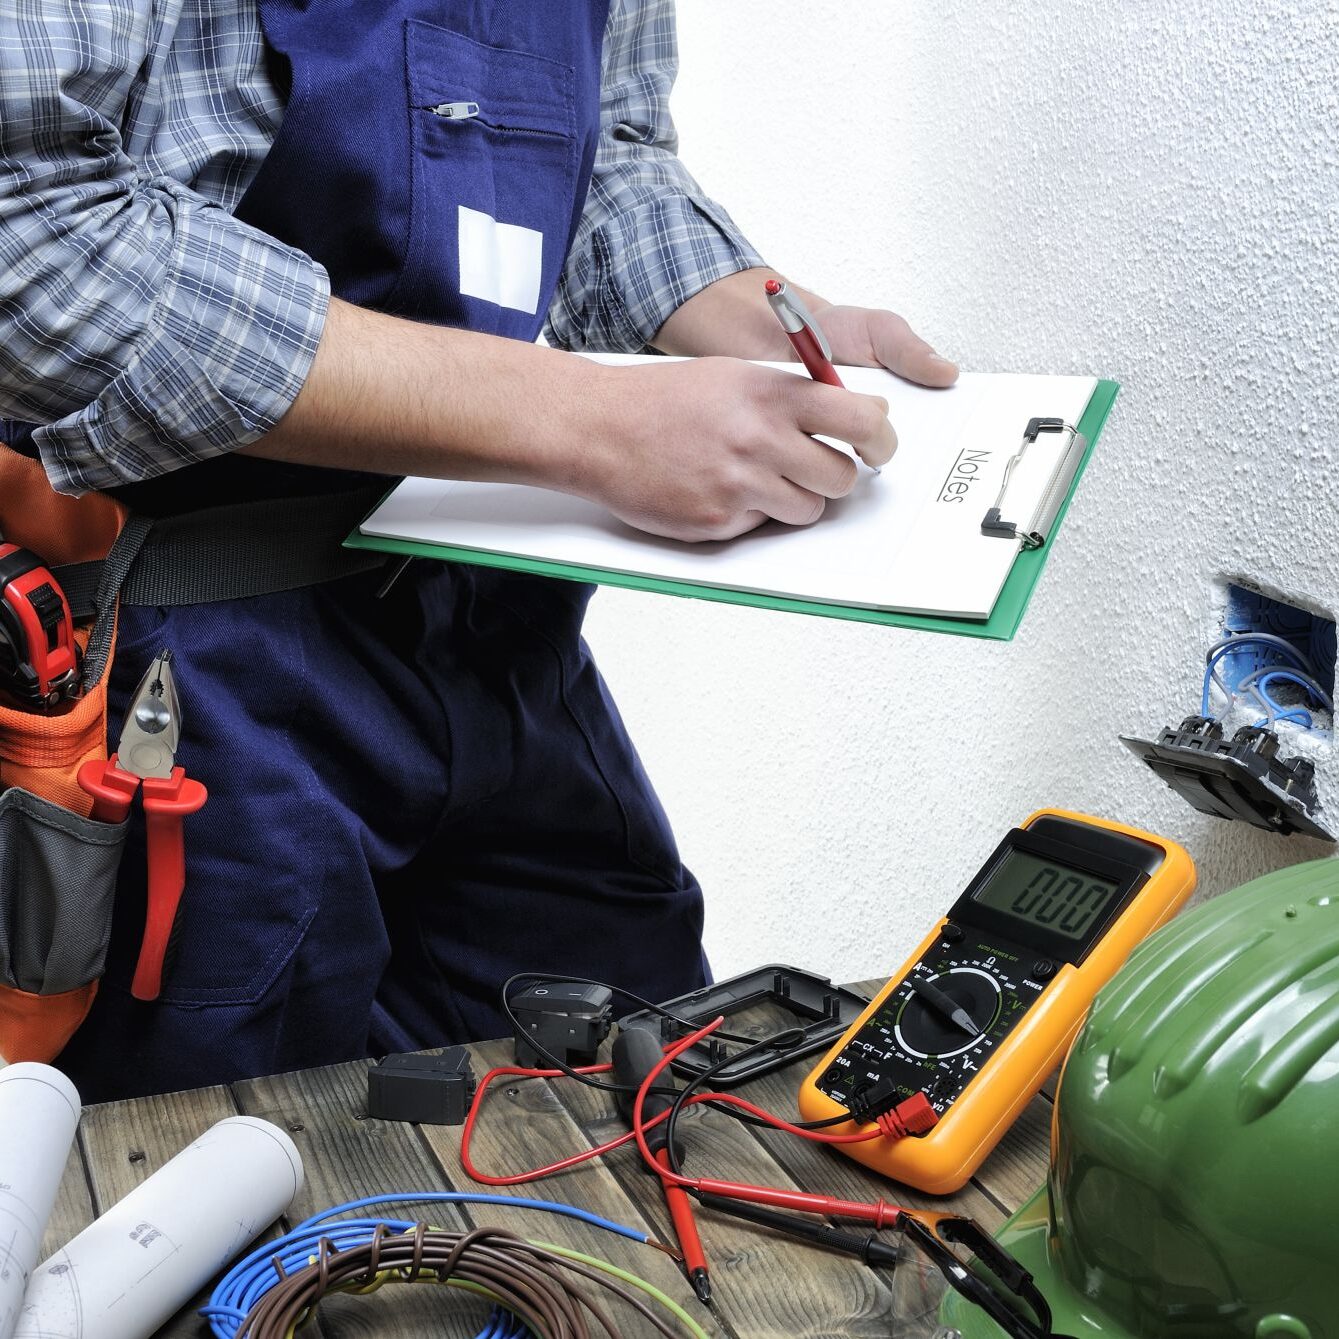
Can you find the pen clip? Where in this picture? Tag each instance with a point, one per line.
(814, 328)
(795, 316)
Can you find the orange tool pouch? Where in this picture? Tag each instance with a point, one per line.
(57, 866)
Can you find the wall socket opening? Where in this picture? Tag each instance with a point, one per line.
(1310, 633)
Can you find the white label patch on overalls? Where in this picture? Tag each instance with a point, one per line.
(499, 262)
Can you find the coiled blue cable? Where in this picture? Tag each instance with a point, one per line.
(254, 1275)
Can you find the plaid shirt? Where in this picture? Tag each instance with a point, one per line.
(145, 328)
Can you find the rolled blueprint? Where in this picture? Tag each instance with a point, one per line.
(147, 1256)
(39, 1113)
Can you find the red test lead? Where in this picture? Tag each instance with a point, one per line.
(636, 1052)
(648, 1113)
(880, 1213)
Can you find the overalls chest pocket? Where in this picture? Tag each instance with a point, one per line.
(494, 158)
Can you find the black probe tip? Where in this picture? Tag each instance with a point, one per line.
(701, 1282)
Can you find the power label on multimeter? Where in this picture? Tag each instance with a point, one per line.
(982, 1013)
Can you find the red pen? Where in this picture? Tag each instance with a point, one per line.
(806, 338)
(805, 335)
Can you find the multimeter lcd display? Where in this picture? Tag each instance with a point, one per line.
(1038, 892)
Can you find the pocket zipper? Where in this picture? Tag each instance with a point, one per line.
(470, 111)
(456, 111)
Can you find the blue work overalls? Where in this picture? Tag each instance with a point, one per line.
(410, 797)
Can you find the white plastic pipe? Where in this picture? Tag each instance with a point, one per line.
(39, 1113)
(147, 1256)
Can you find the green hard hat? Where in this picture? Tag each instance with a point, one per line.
(1193, 1190)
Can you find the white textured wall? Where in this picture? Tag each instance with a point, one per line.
(1145, 191)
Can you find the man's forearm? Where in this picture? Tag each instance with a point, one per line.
(392, 395)
(702, 449)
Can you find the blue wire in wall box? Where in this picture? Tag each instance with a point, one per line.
(1251, 614)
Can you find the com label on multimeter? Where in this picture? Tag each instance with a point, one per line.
(987, 1006)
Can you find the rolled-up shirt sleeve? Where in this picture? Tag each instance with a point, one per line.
(649, 238)
(142, 327)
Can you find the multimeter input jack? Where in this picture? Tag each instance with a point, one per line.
(898, 1115)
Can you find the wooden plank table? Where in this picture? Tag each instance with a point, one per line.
(766, 1286)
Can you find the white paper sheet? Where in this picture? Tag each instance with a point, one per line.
(39, 1112)
(903, 540)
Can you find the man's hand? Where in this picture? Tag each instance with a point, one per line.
(711, 448)
(731, 316)
(868, 337)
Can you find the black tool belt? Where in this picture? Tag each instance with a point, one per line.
(220, 553)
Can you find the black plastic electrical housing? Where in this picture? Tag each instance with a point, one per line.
(426, 1089)
(1238, 778)
(810, 1013)
(566, 1019)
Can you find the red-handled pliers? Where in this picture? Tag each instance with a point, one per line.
(146, 756)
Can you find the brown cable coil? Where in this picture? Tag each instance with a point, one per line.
(530, 1282)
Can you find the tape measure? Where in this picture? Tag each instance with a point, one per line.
(987, 1006)
(39, 659)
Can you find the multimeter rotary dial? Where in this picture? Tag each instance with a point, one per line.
(948, 1012)
(940, 1023)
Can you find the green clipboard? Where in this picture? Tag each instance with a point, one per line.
(1000, 626)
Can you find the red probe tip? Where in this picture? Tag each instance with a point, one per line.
(773, 287)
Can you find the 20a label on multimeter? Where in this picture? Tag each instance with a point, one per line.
(984, 1010)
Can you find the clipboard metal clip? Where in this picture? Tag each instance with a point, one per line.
(1036, 532)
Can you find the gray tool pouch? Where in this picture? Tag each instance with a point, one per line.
(57, 879)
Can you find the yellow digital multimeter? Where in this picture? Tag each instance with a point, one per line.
(988, 1005)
